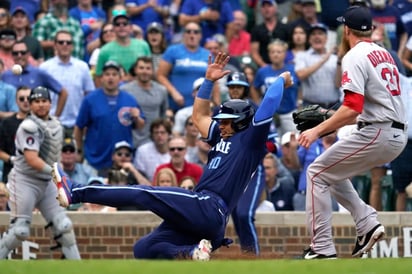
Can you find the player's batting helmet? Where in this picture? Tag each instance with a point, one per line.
(39, 92)
(240, 111)
(238, 79)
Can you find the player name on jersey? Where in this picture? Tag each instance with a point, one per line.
(380, 56)
(223, 147)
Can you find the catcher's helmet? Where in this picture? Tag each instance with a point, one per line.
(238, 79)
(240, 111)
(39, 92)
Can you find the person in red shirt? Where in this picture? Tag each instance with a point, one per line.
(239, 43)
(182, 168)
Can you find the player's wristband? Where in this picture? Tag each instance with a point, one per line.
(47, 169)
(205, 90)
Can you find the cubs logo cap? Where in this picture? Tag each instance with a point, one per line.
(357, 18)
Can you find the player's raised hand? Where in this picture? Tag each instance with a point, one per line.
(288, 79)
(215, 69)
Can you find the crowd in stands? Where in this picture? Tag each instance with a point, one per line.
(124, 75)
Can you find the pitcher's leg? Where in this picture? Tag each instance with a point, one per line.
(365, 216)
(319, 213)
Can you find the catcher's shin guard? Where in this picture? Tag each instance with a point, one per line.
(63, 234)
(18, 232)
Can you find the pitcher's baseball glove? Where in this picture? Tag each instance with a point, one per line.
(310, 116)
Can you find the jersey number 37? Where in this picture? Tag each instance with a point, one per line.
(391, 77)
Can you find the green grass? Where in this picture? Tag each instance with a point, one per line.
(347, 266)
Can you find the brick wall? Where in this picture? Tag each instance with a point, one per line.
(282, 235)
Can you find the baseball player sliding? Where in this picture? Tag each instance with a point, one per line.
(370, 80)
(194, 222)
(38, 144)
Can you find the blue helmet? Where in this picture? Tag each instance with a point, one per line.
(240, 111)
(238, 79)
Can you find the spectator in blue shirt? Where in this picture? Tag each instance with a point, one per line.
(33, 77)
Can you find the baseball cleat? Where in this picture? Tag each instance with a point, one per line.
(309, 254)
(63, 184)
(365, 243)
(202, 251)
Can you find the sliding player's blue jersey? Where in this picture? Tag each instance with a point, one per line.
(233, 161)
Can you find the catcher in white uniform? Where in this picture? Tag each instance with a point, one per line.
(38, 144)
(370, 80)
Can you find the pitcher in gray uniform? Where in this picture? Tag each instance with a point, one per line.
(38, 144)
(370, 80)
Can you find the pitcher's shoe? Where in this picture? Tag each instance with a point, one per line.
(63, 184)
(202, 251)
(365, 243)
(309, 254)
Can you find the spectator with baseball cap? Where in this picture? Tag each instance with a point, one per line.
(123, 171)
(20, 22)
(309, 15)
(107, 120)
(156, 38)
(259, 35)
(124, 49)
(317, 70)
(77, 171)
(7, 40)
(32, 8)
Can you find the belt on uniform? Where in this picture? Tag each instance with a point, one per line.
(393, 125)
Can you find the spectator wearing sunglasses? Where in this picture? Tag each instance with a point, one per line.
(181, 65)
(8, 38)
(34, 77)
(213, 15)
(181, 167)
(73, 74)
(77, 171)
(123, 49)
(58, 18)
(8, 128)
(122, 171)
(20, 22)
